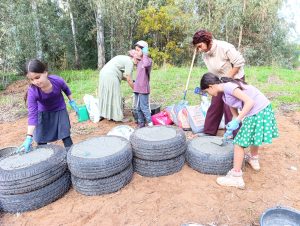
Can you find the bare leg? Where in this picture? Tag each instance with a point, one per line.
(252, 159)
(239, 155)
(254, 150)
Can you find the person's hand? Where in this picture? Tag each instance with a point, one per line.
(145, 50)
(26, 144)
(228, 135)
(73, 105)
(233, 124)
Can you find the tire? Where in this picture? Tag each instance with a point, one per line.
(36, 174)
(33, 183)
(112, 160)
(4, 152)
(158, 142)
(104, 185)
(36, 199)
(158, 168)
(209, 158)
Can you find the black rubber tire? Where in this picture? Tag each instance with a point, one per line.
(4, 152)
(36, 199)
(104, 185)
(96, 168)
(33, 183)
(149, 149)
(199, 157)
(35, 176)
(158, 168)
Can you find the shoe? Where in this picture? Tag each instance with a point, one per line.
(253, 161)
(232, 179)
(150, 124)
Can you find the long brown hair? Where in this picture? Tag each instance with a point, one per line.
(212, 79)
(36, 66)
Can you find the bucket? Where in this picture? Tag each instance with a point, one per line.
(82, 114)
(155, 108)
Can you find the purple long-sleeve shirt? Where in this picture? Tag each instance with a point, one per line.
(38, 101)
(142, 84)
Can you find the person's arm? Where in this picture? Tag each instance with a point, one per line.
(234, 112)
(248, 103)
(233, 71)
(129, 81)
(146, 60)
(236, 59)
(30, 130)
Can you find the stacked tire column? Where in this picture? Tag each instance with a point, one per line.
(32, 180)
(158, 150)
(100, 165)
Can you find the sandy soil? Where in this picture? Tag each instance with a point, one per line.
(187, 196)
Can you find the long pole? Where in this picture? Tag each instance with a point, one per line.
(191, 68)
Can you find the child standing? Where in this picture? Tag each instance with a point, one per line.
(259, 123)
(142, 86)
(48, 119)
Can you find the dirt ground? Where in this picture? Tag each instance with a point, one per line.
(187, 196)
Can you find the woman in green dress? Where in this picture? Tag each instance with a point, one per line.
(109, 92)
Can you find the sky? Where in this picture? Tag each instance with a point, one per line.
(291, 12)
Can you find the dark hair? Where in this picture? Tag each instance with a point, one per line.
(202, 36)
(212, 79)
(36, 66)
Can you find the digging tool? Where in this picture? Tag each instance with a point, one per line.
(191, 68)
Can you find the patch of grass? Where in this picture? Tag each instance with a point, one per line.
(168, 85)
(8, 78)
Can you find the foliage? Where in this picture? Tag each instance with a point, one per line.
(168, 26)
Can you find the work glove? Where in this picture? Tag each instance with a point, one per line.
(233, 124)
(26, 146)
(145, 50)
(228, 135)
(73, 105)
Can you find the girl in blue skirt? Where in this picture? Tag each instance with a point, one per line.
(48, 119)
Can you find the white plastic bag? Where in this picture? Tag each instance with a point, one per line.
(92, 107)
(121, 131)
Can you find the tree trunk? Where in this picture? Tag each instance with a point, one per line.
(77, 59)
(37, 32)
(100, 36)
(241, 27)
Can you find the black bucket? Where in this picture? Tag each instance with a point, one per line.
(155, 108)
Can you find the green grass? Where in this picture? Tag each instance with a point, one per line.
(282, 86)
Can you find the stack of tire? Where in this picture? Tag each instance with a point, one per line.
(32, 180)
(158, 150)
(209, 155)
(100, 165)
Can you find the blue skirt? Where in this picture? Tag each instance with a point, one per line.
(52, 126)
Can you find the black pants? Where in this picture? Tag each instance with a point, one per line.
(67, 142)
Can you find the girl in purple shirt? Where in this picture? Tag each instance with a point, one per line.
(259, 123)
(48, 119)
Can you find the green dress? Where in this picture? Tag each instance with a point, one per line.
(109, 91)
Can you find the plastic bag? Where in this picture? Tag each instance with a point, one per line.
(121, 131)
(92, 107)
(161, 118)
(196, 118)
(182, 118)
